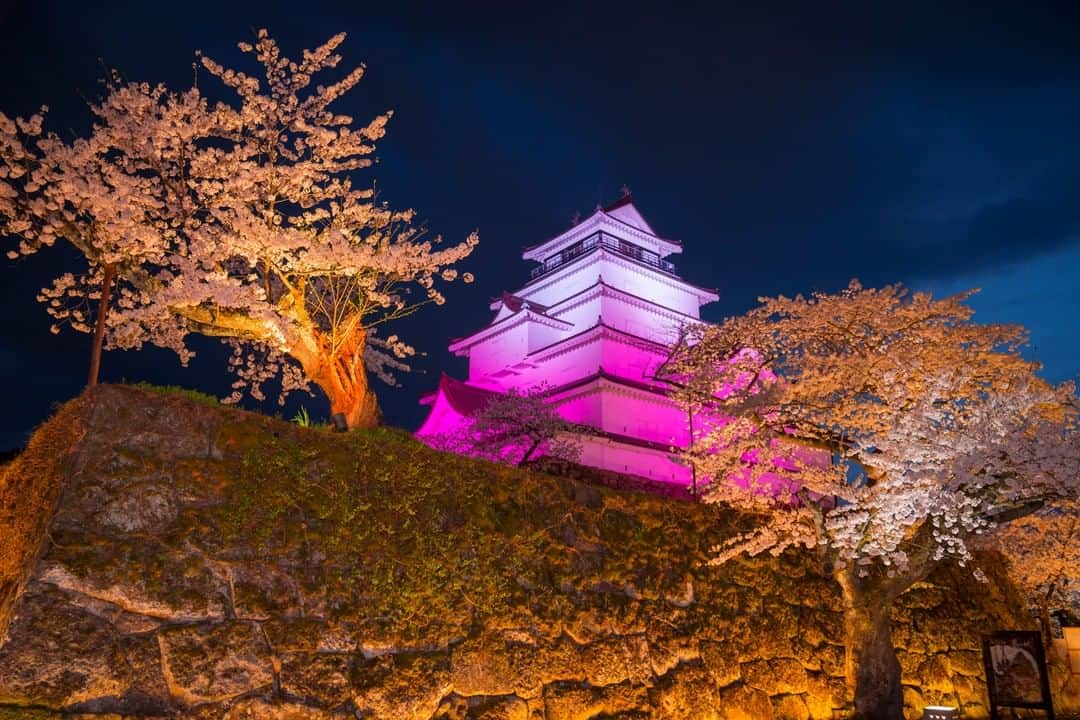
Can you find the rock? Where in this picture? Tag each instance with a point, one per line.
(721, 660)
(502, 708)
(58, 654)
(742, 702)
(322, 679)
(668, 650)
(213, 663)
(565, 701)
(260, 709)
(482, 666)
(405, 685)
(967, 662)
(781, 676)
(934, 675)
(615, 660)
(554, 661)
(824, 695)
(688, 691)
(145, 579)
(140, 508)
(262, 591)
(790, 707)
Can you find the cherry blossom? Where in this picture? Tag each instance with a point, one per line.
(236, 220)
(515, 428)
(884, 430)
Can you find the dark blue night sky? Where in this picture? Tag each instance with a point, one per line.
(789, 147)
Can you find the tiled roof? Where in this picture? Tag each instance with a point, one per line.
(626, 199)
(515, 303)
(464, 398)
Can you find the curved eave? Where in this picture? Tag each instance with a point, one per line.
(540, 251)
(462, 345)
(707, 295)
(453, 399)
(586, 335)
(603, 376)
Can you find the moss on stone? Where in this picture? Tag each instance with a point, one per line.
(301, 571)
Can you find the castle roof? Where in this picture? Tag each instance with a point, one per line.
(624, 211)
(514, 303)
(621, 218)
(466, 399)
(469, 399)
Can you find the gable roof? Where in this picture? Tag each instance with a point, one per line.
(625, 211)
(620, 217)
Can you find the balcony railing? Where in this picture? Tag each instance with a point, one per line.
(602, 240)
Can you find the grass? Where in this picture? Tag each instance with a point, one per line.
(192, 395)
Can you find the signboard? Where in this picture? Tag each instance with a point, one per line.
(1016, 674)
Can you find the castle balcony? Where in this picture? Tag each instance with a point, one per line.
(598, 240)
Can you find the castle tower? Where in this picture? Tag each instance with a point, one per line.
(594, 321)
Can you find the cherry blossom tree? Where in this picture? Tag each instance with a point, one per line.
(82, 193)
(882, 429)
(515, 428)
(247, 226)
(1043, 552)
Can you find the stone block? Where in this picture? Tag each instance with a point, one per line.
(742, 702)
(722, 662)
(780, 676)
(215, 662)
(320, 678)
(688, 691)
(617, 659)
(571, 701)
(790, 707)
(409, 686)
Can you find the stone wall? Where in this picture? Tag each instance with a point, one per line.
(157, 597)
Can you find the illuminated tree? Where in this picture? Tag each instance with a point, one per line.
(82, 193)
(1043, 550)
(247, 226)
(515, 428)
(882, 429)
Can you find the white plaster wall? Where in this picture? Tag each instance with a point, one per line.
(625, 314)
(655, 419)
(498, 352)
(583, 312)
(541, 335)
(633, 362)
(622, 274)
(583, 408)
(649, 285)
(562, 368)
(598, 452)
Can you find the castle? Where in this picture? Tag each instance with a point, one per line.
(595, 319)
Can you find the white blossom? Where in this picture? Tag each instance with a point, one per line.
(238, 220)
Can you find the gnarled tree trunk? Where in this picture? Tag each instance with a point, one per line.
(873, 672)
(356, 402)
(343, 377)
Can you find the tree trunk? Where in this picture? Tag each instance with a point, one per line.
(529, 452)
(360, 407)
(873, 672)
(346, 385)
(99, 325)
